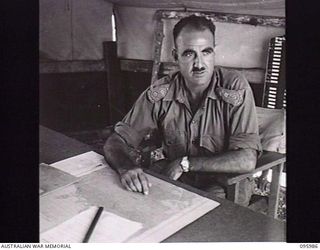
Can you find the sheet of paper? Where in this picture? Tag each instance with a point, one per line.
(110, 228)
(53, 178)
(166, 209)
(82, 164)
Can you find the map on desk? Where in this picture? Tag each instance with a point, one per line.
(66, 213)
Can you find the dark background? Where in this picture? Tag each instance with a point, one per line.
(20, 120)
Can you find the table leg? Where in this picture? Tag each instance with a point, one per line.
(233, 192)
(275, 190)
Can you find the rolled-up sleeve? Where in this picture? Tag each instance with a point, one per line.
(139, 121)
(244, 130)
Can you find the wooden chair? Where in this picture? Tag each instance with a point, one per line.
(273, 98)
(268, 160)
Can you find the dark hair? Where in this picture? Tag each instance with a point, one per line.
(194, 22)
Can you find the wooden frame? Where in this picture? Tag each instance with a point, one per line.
(269, 160)
(215, 17)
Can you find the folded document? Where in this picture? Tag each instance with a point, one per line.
(82, 164)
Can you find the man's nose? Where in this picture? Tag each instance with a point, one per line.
(198, 61)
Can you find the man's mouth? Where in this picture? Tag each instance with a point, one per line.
(198, 72)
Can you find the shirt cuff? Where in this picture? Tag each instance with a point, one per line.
(129, 134)
(246, 141)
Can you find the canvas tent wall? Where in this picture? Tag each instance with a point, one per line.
(75, 29)
(72, 62)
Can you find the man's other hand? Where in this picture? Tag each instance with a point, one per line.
(174, 170)
(135, 180)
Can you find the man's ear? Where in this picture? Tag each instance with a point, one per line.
(175, 54)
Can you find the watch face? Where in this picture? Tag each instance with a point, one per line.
(185, 166)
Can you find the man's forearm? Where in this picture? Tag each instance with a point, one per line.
(233, 162)
(116, 153)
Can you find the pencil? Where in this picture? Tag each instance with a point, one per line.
(93, 225)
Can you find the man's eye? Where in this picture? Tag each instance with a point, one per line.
(188, 54)
(207, 52)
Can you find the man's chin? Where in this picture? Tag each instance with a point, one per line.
(203, 80)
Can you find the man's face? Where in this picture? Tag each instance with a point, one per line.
(195, 56)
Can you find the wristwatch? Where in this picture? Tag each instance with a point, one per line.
(185, 164)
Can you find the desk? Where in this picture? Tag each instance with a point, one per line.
(227, 223)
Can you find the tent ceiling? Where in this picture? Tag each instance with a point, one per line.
(200, 3)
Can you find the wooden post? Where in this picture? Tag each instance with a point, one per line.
(233, 192)
(114, 85)
(274, 191)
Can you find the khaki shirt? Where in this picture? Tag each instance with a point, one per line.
(226, 119)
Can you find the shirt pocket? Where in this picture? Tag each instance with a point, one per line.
(174, 144)
(212, 143)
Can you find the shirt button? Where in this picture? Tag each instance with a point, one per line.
(194, 121)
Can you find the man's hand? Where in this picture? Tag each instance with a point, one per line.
(174, 171)
(135, 180)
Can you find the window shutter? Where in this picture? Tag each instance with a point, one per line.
(275, 93)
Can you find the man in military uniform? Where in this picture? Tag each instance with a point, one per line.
(206, 116)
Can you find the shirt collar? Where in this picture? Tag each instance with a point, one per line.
(177, 90)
